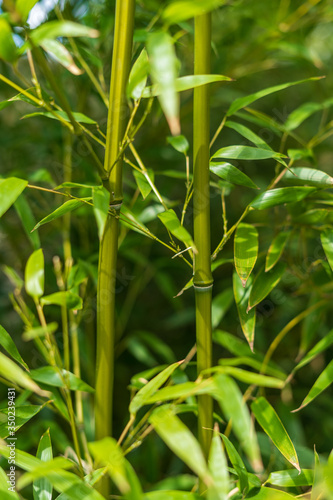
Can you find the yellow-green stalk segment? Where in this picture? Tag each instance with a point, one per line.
(117, 115)
(203, 280)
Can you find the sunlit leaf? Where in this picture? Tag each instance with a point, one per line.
(179, 142)
(304, 111)
(39, 331)
(246, 153)
(280, 196)
(237, 464)
(291, 478)
(276, 249)
(12, 372)
(101, 201)
(68, 299)
(245, 250)
(59, 53)
(324, 380)
(172, 223)
(142, 181)
(66, 207)
(264, 283)
(8, 51)
(23, 7)
(55, 29)
(231, 174)
(272, 425)
(34, 274)
(52, 376)
(270, 494)
(8, 344)
(248, 134)
(79, 117)
(138, 76)
(321, 346)
(180, 10)
(247, 319)
(107, 453)
(220, 306)
(10, 190)
(42, 488)
(308, 177)
(187, 82)
(217, 464)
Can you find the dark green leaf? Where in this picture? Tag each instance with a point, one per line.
(248, 134)
(8, 344)
(280, 196)
(28, 220)
(220, 306)
(276, 249)
(22, 415)
(247, 153)
(79, 117)
(264, 283)
(291, 478)
(321, 346)
(308, 177)
(50, 375)
(327, 242)
(237, 463)
(179, 142)
(231, 174)
(101, 201)
(324, 380)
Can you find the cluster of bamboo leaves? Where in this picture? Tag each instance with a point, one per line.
(244, 386)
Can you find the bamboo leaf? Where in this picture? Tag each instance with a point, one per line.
(180, 440)
(304, 111)
(280, 196)
(308, 176)
(55, 377)
(101, 201)
(276, 249)
(220, 305)
(291, 478)
(69, 299)
(323, 344)
(172, 223)
(138, 76)
(39, 331)
(251, 377)
(242, 102)
(245, 250)
(79, 117)
(271, 494)
(22, 415)
(187, 82)
(272, 425)
(264, 283)
(246, 153)
(8, 50)
(247, 319)
(231, 174)
(24, 212)
(57, 464)
(324, 380)
(12, 372)
(179, 143)
(230, 399)
(327, 242)
(180, 10)
(10, 190)
(142, 182)
(59, 53)
(217, 464)
(42, 488)
(170, 495)
(23, 7)
(8, 344)
(7, 494)
(184, 390)
(55, 29)
(237, 464)
(66, 207)
(163, 70)
(248, 134)
(34, 274)
(150, 388)
(312, 217)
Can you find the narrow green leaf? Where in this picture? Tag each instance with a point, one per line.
(24, 212)
(220, 306)
(66, 207)
(231, 174)
(150, 388)
(180, 440)
(79, 117)
(172, 223)
(69, 299)
(248, 134)
(247, 319)
(264, 283)
(8, 51)
(184, 391)
(107, 453)
(247, 153)
(163, 70)
(142, 181)
(324, 380)
(237, 464)
(22, 415)
(101, 201)
(312, 217)
(55, 29)
(291, 478)
(271, 494)
(180, 10)
(138, 76)
(251, 377)
(7, 494)
(327, 242)
(217, 464)
(183, 83)
(52, 376)
(304, 111)
(179, 143)
(8, 344)
(245, 250)
(323, 344)
(308, 177)
(34, 274)
(280, 196)
(59, 53)
(12, 372)
(242, 102)
(39, 331)
(230, 399)
(57, 464)
(23, 7)
(10, 190)
(276, 249)
(42, 488)
(268, 419)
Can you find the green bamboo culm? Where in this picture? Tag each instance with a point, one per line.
(203, 280)
(117, 118)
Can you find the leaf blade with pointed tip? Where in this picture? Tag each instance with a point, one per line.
(264, 283)
(10, 190)
(280, 196)
(8, 344)
(326, 238)
(268, 419)
(291, 478)
(54, 29)
(237, 463)
(217, 464)
(34, 274)
(247, 153)
(42, 488)
(172, 223)
(308, 176)
(50, 375)
(231, 174)
(181, 10)
(324, 380)
(138, 76)
(276, 249)
(101, 201)
(66, 207)
(187, 82)
(68, 299)
(323, 344)
(247, 320)
(245, 250)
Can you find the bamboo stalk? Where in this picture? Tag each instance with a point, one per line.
(122, 50)
(203, 280)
